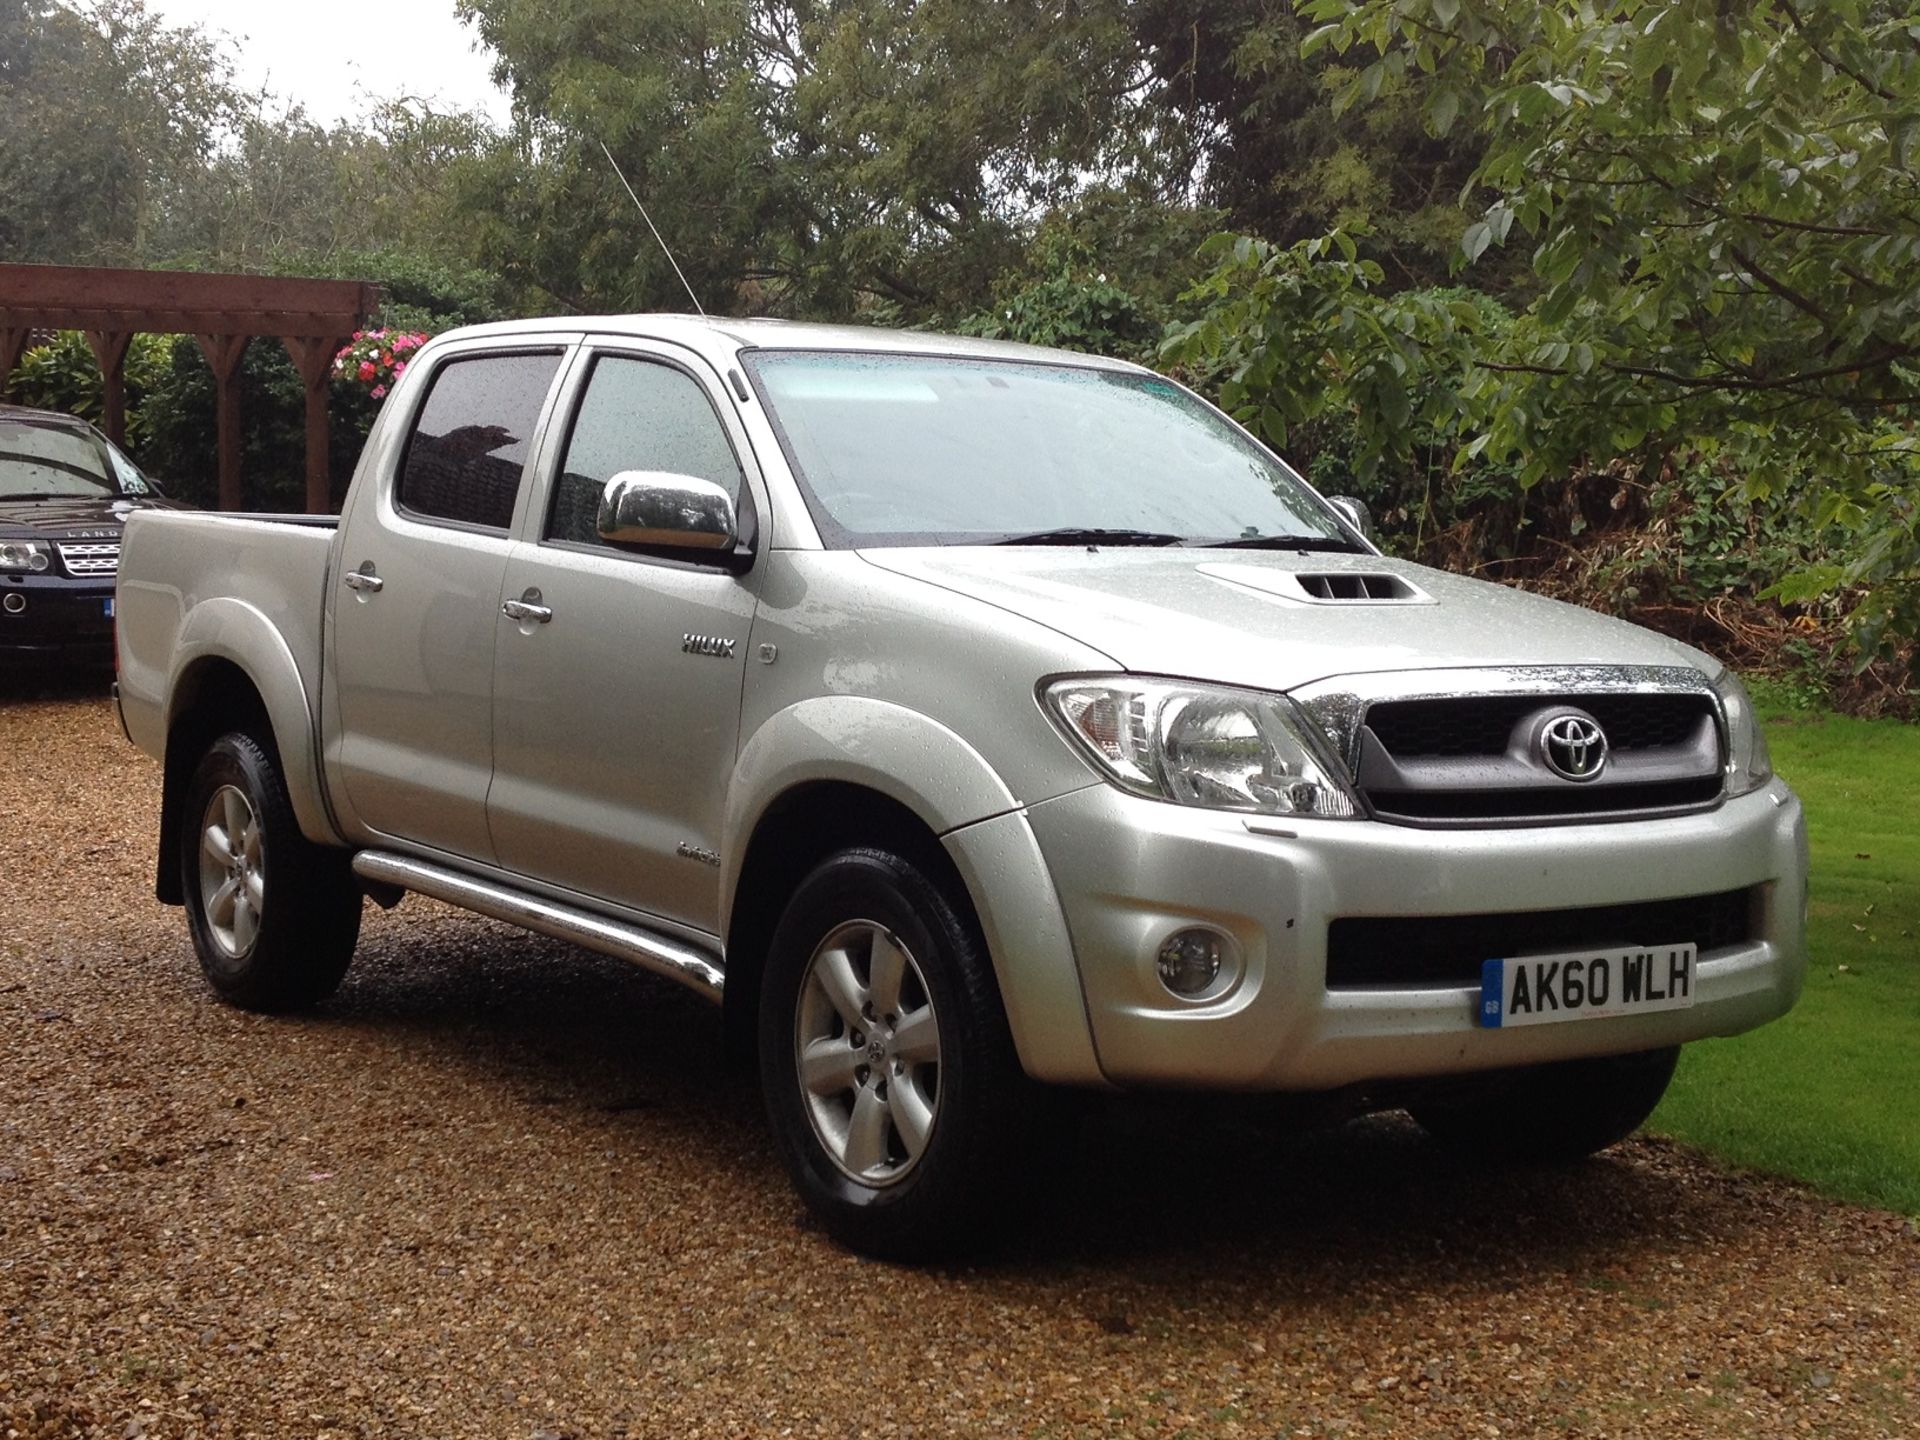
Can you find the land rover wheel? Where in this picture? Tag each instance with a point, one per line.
(274, 917)
(891, 1082)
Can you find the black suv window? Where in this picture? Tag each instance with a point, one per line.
(469, 445)
(636, 415)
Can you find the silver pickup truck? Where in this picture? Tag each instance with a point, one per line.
(966, 719)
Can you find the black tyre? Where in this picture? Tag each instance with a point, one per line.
(274, 917)
(890, 1076)
(1552, 1114)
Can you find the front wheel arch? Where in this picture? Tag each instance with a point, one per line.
(796, 832)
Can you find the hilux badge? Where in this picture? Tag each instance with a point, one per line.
(1573, 746)
(715, 645)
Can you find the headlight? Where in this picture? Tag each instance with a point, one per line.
(1749, 765)
(1200, 745)
(34, 555)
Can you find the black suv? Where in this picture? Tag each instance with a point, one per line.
(65, 491)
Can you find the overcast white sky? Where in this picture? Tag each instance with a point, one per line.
(330, 54)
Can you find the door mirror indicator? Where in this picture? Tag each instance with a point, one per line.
(658, 508)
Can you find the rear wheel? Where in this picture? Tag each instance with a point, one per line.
(1552, 1113)
(891, 1082)
(274, 917)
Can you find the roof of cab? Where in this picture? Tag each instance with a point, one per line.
(764, 334)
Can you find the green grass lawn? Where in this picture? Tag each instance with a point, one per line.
(1831, 1093)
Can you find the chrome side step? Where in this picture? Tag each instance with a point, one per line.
(673, 959)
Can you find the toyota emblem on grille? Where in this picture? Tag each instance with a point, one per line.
(1573, 746)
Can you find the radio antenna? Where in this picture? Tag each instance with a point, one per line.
(651, 226)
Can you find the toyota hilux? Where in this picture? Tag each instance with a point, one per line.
(963, 719)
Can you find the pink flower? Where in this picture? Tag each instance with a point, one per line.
(399, 369)
(378, 391)
(359, 334)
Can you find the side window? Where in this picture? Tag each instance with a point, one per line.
(636, 415)
(469, 443)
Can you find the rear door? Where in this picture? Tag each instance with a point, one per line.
(616, 719)
(415, 614)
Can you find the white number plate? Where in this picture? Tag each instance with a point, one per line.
(1537, 989)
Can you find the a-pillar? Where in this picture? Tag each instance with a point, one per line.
(313, 358)
(110, 353)
(223, 354)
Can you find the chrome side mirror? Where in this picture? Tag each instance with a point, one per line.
(1355, 513)
(656, 507)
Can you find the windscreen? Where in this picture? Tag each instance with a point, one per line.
(920, 449)
(39, 461)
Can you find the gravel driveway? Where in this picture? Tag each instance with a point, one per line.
(500, 1187)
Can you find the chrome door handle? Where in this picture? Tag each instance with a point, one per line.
(527, 607)
(363, 579)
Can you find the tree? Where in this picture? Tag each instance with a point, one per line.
(798, 156)
(1725, 244)
(104, 111)
(1250, 118)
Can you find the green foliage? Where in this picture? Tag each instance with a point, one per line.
(1287, 336)
(1252, 115)
(1072, 313)
(1723, 244)
(105, 111)
(180, 447)
(795, 157)
(1817, 1094)
(1062, 294)
(64, 376)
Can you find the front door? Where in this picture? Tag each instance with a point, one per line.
(616, 705)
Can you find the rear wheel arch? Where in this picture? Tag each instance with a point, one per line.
(211, 697)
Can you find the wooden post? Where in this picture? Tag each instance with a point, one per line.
(13, 344)
(313, 358)
(110, 353)
(223, 354)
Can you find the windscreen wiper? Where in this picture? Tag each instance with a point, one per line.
(1079, 535)
(1285, 542)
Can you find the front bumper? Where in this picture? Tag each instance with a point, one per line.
(59, 618)
(1129, 872)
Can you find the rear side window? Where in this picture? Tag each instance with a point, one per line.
(636, 415)
(469, 444)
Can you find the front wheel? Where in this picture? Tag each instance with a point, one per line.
(891, 1082)
(1555, 1113)
(274, 917)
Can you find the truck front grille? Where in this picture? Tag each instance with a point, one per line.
(1404, 952)
(1481, 724)
(1467, 760)
(91, 558)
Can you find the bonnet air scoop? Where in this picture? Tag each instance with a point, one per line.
(1327, 587)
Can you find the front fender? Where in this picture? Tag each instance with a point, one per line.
(888, 748)
(934, 773)
(225, 629)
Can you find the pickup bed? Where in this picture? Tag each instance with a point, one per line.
(964, 718)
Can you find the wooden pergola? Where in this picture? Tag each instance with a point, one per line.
(225, 313)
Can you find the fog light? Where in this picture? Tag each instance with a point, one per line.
(15, 602)
(1189, 961)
